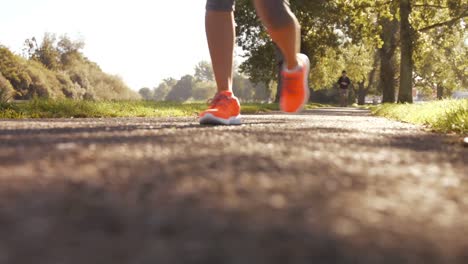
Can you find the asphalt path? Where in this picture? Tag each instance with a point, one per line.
(327, 186)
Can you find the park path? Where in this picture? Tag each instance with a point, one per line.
(327, 186)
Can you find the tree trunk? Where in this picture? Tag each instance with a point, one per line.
(405, 94)
(387, 59)
(440, 92)
(362, 93)
(280, 61)
(278, 85)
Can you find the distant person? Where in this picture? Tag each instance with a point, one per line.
(283, 28)
(344, 83)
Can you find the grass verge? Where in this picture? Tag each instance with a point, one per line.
(41, 108)
(442, 116)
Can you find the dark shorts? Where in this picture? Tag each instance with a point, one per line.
(276, 12)
(220, 5)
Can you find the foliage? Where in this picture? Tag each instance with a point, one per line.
(203, 90)
(56, 68)
(182, 91)
(160, 92)
(146, 93)
(248, 91)
(318, 19)
(330, 28)
(6, 90)
(356, 60)
(201, 86)
(441, 62)
(442, 116)
(204, 72)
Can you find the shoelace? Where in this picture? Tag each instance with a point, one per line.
(218, 100)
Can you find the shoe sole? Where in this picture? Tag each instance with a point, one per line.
(210, 119)
(306, 85)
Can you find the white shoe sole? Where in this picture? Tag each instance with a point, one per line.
(210, 119)
(306, 62)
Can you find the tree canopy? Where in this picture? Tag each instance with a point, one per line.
(371, 39)
(201, 86)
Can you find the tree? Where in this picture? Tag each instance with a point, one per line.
(442, 13)
(30, 47)
(393, 27)
(243, 88)
(146, 93)
(69, 50)
(203, 90)
(373, 25)
(387, 56)
(406, 39)
(361, 63)
(318, 19)
(171, 82)
(182, 91)
(363, 89)
(58, 70)
(440, 62)
(204, 86)
(52, 53)
(163, 89)
(6, 89)
(47, 52)
(439, 52)
(204, 72)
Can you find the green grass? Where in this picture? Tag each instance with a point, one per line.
(41, 108)
(441, 116)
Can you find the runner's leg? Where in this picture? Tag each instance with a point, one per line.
(220, 32)
(225, 107)
(282, 26)
(284, 29)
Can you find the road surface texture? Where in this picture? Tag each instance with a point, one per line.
(327, 186)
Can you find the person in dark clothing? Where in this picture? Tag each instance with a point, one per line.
(344, 82)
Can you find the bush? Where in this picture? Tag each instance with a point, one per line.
(6, 90)
(13, 68)
(59, 70)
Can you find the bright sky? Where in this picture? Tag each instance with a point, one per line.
(143, 41)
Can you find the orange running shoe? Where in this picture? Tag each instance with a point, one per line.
(295, 86)
(224, 110)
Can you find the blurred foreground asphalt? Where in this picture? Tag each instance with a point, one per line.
(327, 186)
